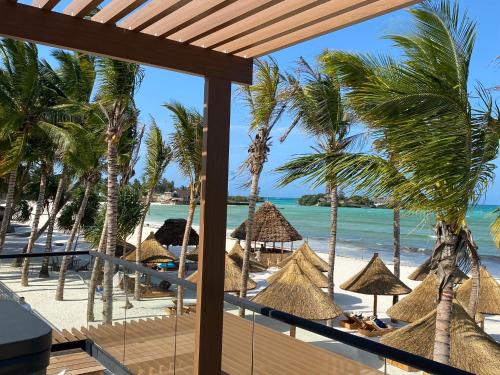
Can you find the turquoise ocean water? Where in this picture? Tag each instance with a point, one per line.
(361, 231)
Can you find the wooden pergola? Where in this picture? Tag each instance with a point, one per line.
(216, 39)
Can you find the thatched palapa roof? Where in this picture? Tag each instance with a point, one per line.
(269, 225)
(420, 302)
(317, 277)
(424, 269)
(232, 277)
(236, 254)
(193, 255)
(151, 252)
(171, 233)
(295, 294)
(471, 348)
(489, 293)
(375, 279)
(120, 251)
(310, 255)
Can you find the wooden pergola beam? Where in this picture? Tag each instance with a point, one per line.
(44, 4)
(116, 10)
(81, 8)
(55, 29)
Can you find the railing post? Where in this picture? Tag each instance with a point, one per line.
(213, 208)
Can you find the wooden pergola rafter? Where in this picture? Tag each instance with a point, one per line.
(216, 39)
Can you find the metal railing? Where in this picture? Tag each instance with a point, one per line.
(373, 347)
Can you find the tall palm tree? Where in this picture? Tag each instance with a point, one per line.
(444, 146)
(264, 101)
(187, 144)
(20, 109)
(73, 81)
(119, 82)
(158, 155)
(315, 101)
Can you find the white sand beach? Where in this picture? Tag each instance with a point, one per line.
(72, 311)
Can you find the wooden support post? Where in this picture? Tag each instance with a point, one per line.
(213, 210)
(375, 304)
(293, 331)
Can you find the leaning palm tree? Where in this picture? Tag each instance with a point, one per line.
(187, 144)
(73, 82)
(264, 101)
(316, 104)
(20, 89)
(119, 82)
(158, 155)
(444, 146)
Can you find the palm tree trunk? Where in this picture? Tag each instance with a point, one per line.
(333, 242)
(34, 225)
(111, 214)
(182, 259)
(74, 230)
(445, 251)
(8, 207)
(137, 285)
(44, 271)
(252, 201)
(396, 245)
(96, 271)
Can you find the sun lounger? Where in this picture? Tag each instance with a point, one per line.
(352, 322)
(371, 329)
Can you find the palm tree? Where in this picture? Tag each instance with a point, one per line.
(119, 82)
(158, 155)
(443, 146)
(317, 106)
(73, 81)
(187, 145)
(266, 106)
(20, 109)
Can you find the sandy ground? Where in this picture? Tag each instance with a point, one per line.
(72, 311)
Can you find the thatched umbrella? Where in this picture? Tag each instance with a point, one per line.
(237, 253)
(269, 225)
(471, 348)
(420, 302)
(310, 255)
(424, 269)
(171, 233)
(295, 294)
(232, 277)
(375, 279)
(489, 293)
(151, 252)
(317, 277)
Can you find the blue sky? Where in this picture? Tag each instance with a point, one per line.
(160, 86)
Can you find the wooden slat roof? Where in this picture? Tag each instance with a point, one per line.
(238, 28)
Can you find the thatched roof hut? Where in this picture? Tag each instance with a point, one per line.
(171, 233)
(295, 294)
(269, 225)
(151, 252)
(193, 254)
(424, 269)
(317, 277)
(310, 255)
(420, 302)
(471, 348)
(232, 277)
(489, 293)
(375, 279)
(120, 251)
(236, 254)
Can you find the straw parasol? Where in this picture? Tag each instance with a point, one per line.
(311, 256)
(295, 294)
(317, 277)
(471, 348)
(171, 233)
(425, 268)
(151, 252)
(232, 277)
(375, 279)
(420, 302)
(237, 253)
(269, 225)
(489, 293)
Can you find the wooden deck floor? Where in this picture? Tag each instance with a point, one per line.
(75, 362)
(165, 346)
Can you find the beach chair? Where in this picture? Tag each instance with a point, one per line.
(373, 328)
(351, 322)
